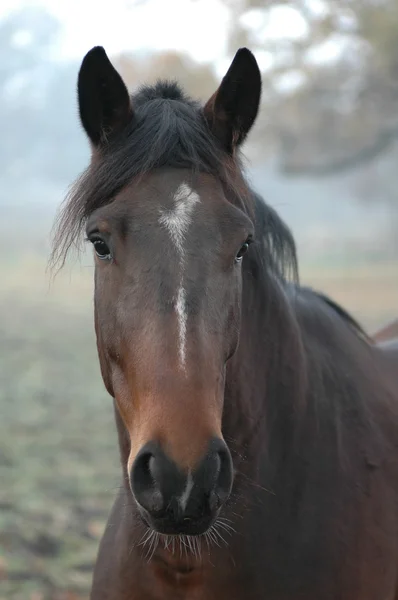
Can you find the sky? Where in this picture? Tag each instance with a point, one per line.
(198, 27)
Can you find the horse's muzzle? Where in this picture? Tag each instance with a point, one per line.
(175, 502)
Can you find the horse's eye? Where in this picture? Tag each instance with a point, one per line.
(242, 251)
(101, 249)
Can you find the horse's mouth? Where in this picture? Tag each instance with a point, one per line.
(168, 525)
(182, 551)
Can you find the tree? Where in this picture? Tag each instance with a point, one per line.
(40, 131)
(331, 90)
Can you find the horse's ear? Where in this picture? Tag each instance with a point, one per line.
(104, 102)
(232, 110)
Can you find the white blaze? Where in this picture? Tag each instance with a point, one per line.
(177, 222)
(180, 308)
(187, 492)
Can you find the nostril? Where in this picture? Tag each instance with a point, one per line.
(178, 500)
(225, 475)
(143, 483)
(142, 471)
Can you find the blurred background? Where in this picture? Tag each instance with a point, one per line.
(324, 153)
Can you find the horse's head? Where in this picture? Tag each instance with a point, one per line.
(164, 209)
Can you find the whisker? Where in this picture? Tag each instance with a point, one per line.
(187, 544)
(224, 520)
(155, 545)
(227, 528)
(207, 541)
(217, 533)
(226, 525)
(255, 484)
(152, 546)
(213, 537)
(147, 535)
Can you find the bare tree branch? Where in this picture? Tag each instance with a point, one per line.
(383, 143)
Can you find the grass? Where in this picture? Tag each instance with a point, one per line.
(59, 465)
(58, 461)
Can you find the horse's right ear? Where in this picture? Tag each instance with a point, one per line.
(104, 102)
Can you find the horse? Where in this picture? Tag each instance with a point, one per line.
(257, 422)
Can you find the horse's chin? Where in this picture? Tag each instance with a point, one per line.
(178, 549)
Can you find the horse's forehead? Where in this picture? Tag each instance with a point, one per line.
(174, 190)
(177, 202)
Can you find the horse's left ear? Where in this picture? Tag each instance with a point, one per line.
(232, 110)
(104, 102)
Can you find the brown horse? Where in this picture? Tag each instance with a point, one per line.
(257, 423)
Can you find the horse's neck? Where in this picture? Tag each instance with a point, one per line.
(266, 380)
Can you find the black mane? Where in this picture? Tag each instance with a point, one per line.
(162, 89)
(168, 129)
(347, 318)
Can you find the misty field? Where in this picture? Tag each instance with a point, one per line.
(59, 465)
